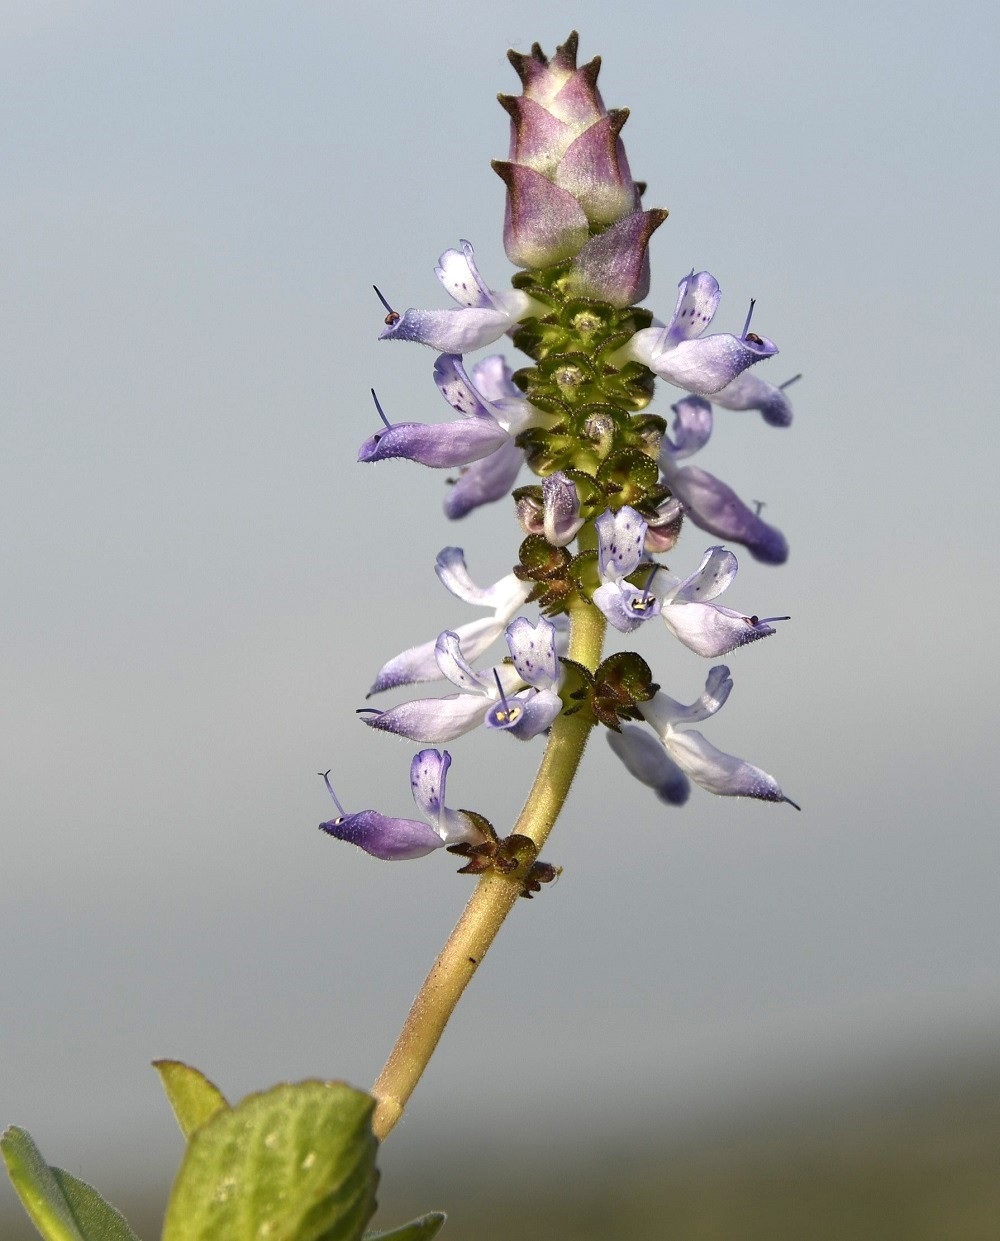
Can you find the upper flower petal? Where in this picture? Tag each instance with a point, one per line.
(698, 297)
(715, 573)
(419, 663)
(561, 518)
(428, 773)
(533, 650)
(664, 712)
(621, 536)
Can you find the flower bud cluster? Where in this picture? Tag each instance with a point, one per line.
(611, 478)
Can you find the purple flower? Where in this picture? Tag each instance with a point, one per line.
(680, 354)
(483, 315)
(395, 840)
(709, 502)
(505, 597)
(686, 754)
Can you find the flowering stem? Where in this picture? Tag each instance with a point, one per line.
(494, 896)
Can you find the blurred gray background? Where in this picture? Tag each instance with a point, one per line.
(199, 582)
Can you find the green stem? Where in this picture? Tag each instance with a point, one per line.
(494, 896)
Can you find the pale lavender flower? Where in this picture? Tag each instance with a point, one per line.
(483, 315)
(533, 650)
(505, 597)
(707, 628)
(520, 699)
(686, 753)
(704, 627)
(678, 352)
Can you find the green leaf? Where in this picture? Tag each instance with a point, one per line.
(422, 1229)
(193, 1097)
(296, 1163)
(62, 1207)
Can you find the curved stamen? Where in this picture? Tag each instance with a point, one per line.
(326, 779)
(644, 600)
(764, 620)
(381, 414)
(507, 714)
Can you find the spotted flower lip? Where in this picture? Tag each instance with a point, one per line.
(483, 315)
(680, 354)
(709, 502)
(621, 537)
(396, 839)
(505, 597)
(686, 754)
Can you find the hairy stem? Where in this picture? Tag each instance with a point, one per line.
(494, 896)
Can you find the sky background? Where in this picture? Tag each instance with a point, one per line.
(199, 582)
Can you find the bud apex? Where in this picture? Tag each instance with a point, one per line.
(567, 174)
